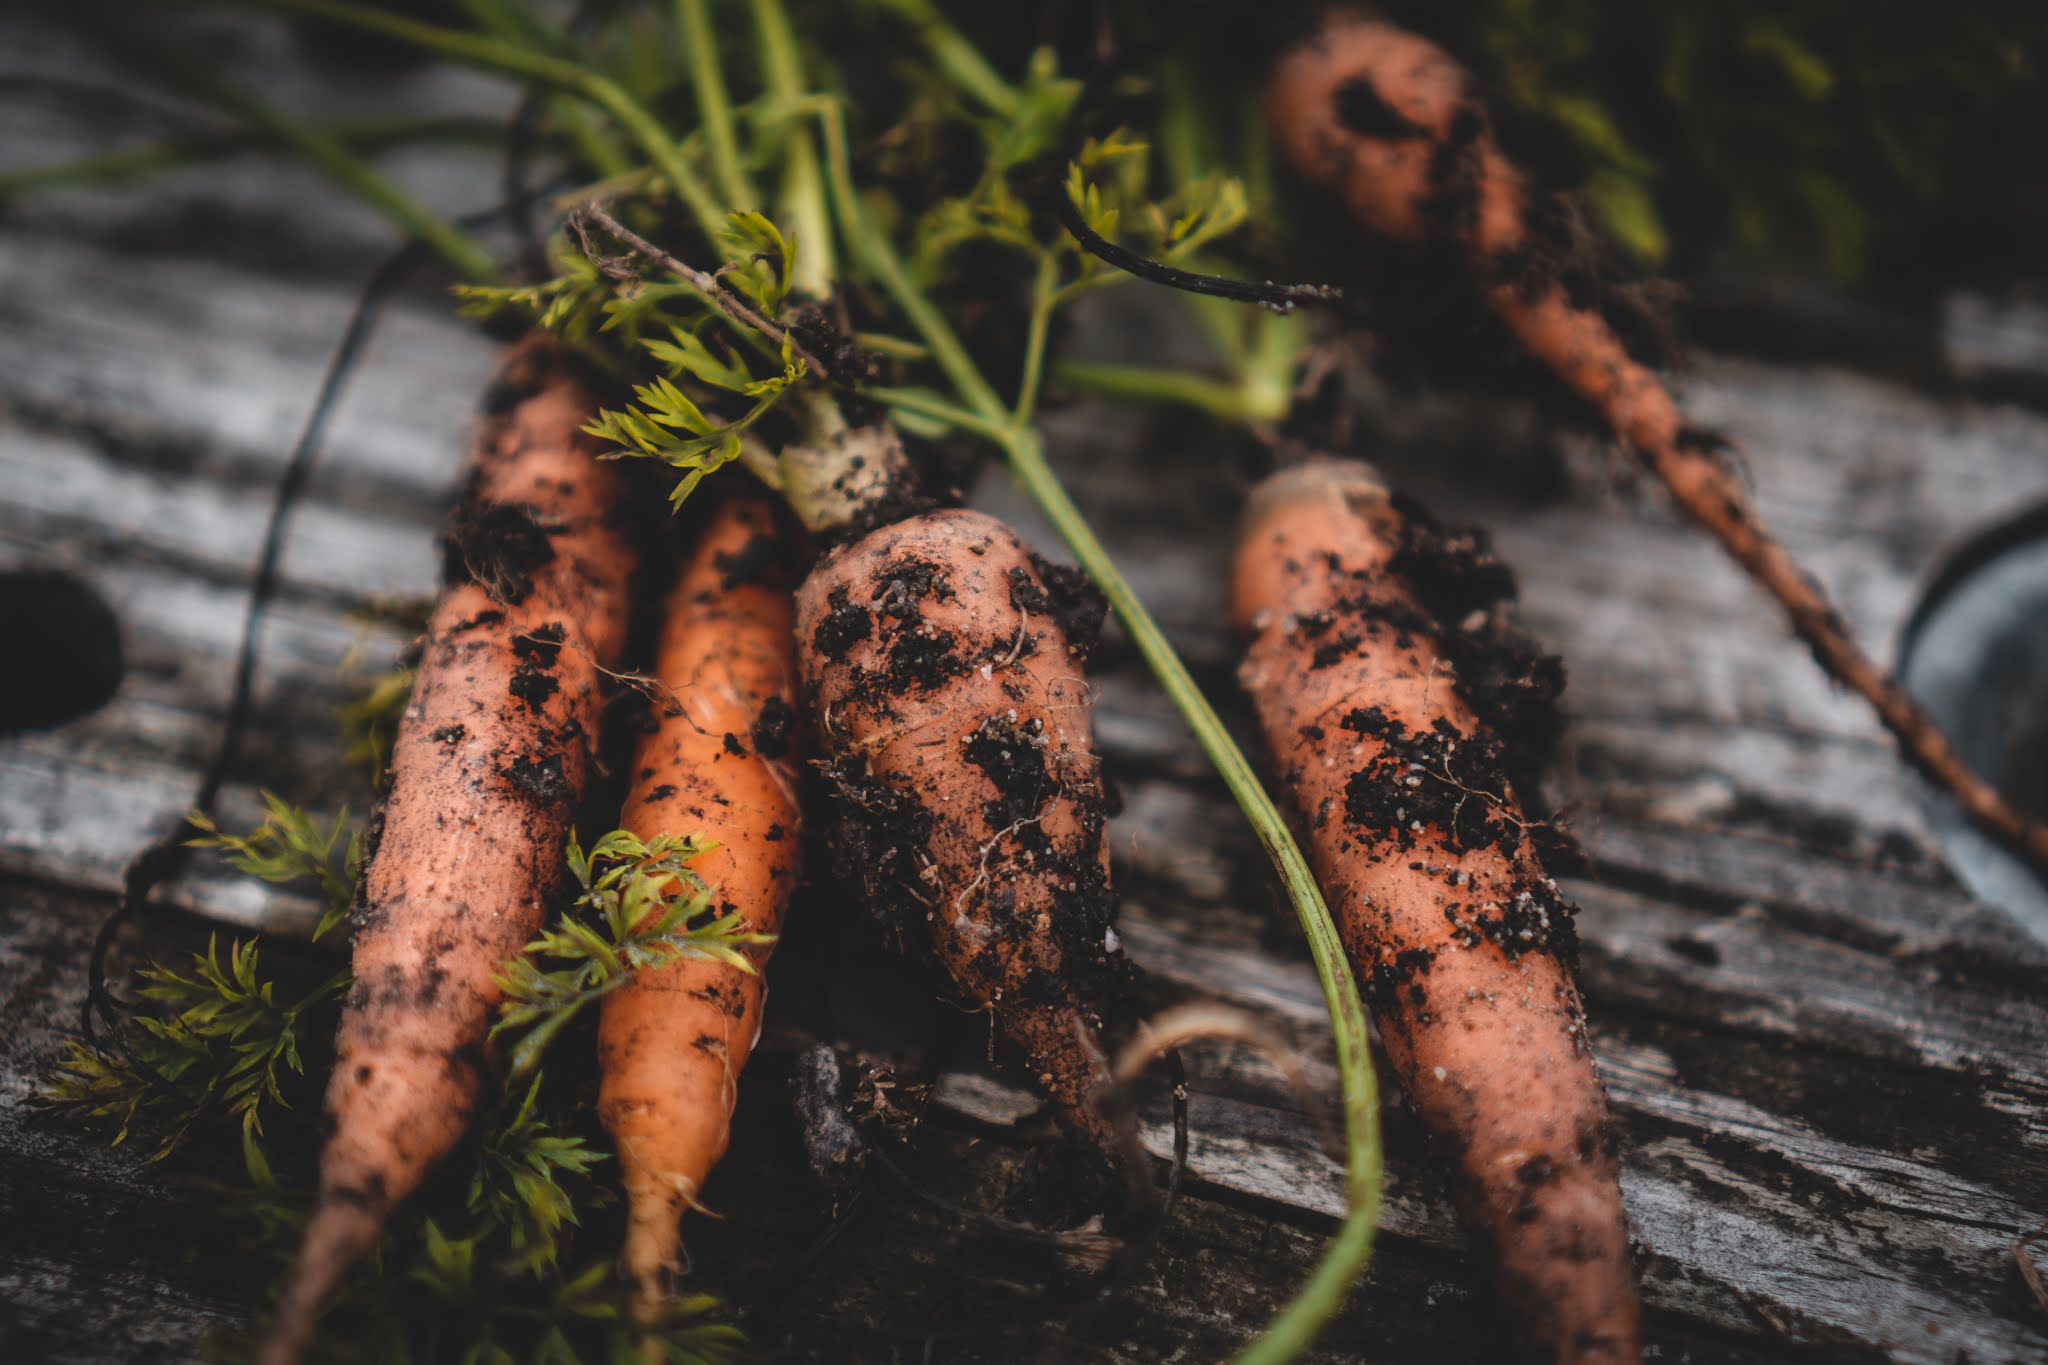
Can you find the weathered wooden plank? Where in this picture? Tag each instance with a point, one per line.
(193, 364)
(261, 212)
(61, 498)
(1724, 1195)
(1892, 910)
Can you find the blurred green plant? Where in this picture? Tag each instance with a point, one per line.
(1854, 137)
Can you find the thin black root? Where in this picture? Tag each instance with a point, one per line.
(165, 857)
(1280, 298)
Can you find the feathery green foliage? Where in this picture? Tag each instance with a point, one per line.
(671, 320)
(444, 1302)
(571, 303)
(212, 1041)
(640, 906)
(289, 846)
(369, 721)
(525, 1173)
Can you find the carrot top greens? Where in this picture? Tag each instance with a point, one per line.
(476, 1270)
(640, 906)
(213, 1041)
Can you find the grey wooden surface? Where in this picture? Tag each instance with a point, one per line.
(1829, 1066)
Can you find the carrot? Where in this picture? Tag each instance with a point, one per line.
(1463, 944)
(491, 755)
(673, 1039)
(944, 664)
(1387, 119)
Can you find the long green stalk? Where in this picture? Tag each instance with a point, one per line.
(510, 59)
(1044, 299)
(509, 19)
(1221, 398)
(959, 59)
(319, 147)
(516, 22)
(874, 253)
(714, 105)
(357, 135)
(803, 191)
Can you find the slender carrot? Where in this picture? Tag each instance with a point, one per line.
(720, 765)
(491, 755)
(1388, 120)
(1462, 942)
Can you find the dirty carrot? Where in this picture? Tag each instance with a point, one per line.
(491, 755)
(1387, 120)
(719, 766)
(1464, 946)
(945, 664)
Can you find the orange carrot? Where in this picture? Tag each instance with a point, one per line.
(491, 755)
(1387, 119)
(947, 682)
(673, 1039)
(1462, 942)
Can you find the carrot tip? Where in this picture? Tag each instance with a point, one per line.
(339, 1235)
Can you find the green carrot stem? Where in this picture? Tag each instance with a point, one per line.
(958, 59)
(358, 136)
(714, 105)
(1220, 398)
(510, 59)
(802, 198)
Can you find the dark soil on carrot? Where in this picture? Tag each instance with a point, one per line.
(497, 545)
(1504, 673)
(1064, 593)
(880, 829)
(773, 728)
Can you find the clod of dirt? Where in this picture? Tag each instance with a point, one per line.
(497, 545)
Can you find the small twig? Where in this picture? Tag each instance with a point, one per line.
(707, 284)
(2030, 1272)
(1172, 1029)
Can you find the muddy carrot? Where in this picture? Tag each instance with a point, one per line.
(1464, 946)
(944, 664)
(491, 755)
